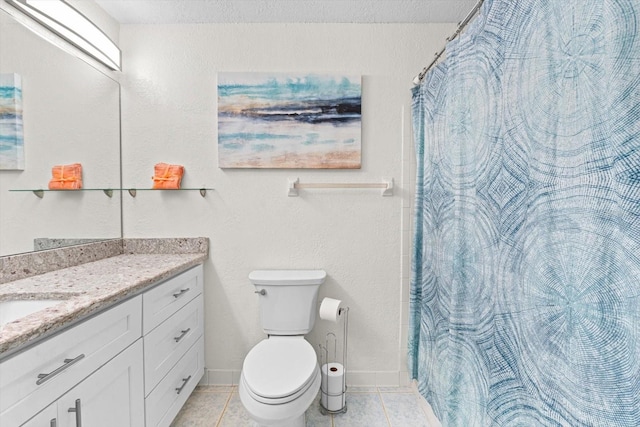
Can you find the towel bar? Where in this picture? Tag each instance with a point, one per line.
(386, 185)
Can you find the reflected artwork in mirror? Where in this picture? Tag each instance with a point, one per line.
(11, 136)
(71, 114)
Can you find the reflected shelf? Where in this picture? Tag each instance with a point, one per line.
(40, 191)
(109, 191)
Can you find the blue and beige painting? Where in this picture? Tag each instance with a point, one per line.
(289, 121)
(11, 133)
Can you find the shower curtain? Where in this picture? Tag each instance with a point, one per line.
(525, 293)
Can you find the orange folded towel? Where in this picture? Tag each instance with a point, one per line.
(167, 176)
(66, 177)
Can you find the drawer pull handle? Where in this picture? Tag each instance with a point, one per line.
(184, 383)
(179, 294)
(78, 410)
(183, 333)
(67, 362)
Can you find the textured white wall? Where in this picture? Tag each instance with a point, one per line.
(360, 238)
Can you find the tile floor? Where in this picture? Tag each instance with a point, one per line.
(220, 406)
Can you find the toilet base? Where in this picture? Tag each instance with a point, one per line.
(279, 415)
(301, 421)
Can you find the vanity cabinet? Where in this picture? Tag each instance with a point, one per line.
(35, 378)
(132, 365)
(112, 396)
(173, 324)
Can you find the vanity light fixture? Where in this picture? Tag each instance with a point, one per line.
(70, 24)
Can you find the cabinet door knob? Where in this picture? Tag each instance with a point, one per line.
(66, 363)
(184, 383)
(182, 334)
(78, 410)
(179, 294)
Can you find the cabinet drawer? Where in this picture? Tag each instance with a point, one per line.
(164, 403)
(66, 359)
(168, 297)
(167, 343)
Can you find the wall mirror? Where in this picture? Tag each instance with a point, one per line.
(71, 114)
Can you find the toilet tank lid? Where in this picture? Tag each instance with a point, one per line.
(287, 277)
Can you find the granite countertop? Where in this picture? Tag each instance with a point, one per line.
(84, 290)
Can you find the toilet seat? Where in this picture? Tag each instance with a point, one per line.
(279, 369)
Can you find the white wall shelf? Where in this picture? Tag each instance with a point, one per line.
(109, 191)
(134, 191)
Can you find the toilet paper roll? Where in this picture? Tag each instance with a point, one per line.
(332, 378)
(332, 386)
(333, 403)
(330, 309)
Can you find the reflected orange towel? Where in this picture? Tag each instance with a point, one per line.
(66, 177)
(167, 176)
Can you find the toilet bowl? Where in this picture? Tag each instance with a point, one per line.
(280, 375)
(280, 379)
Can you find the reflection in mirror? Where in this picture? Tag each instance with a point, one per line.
(71, 114)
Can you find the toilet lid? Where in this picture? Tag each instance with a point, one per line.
(279, 366)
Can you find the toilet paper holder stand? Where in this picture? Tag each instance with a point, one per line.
(324, 355)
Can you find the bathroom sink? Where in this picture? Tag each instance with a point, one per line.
(16, 309)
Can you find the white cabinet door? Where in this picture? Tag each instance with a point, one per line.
(35, 378)
(112, 396)
(46, 418)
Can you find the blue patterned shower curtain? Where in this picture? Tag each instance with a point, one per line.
(525, 298)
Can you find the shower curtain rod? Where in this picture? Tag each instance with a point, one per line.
(417, 79)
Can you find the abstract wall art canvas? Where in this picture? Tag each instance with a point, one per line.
(11, 133)
(289, 121)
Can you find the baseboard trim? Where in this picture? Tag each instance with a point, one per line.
(354, 378)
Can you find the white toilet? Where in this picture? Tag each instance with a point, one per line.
(280, 376)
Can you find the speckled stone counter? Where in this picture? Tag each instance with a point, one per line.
(16, 267)
(88, 288)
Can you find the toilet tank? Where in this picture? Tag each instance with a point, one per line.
(288, 299)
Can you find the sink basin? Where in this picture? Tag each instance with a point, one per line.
(15, 309)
